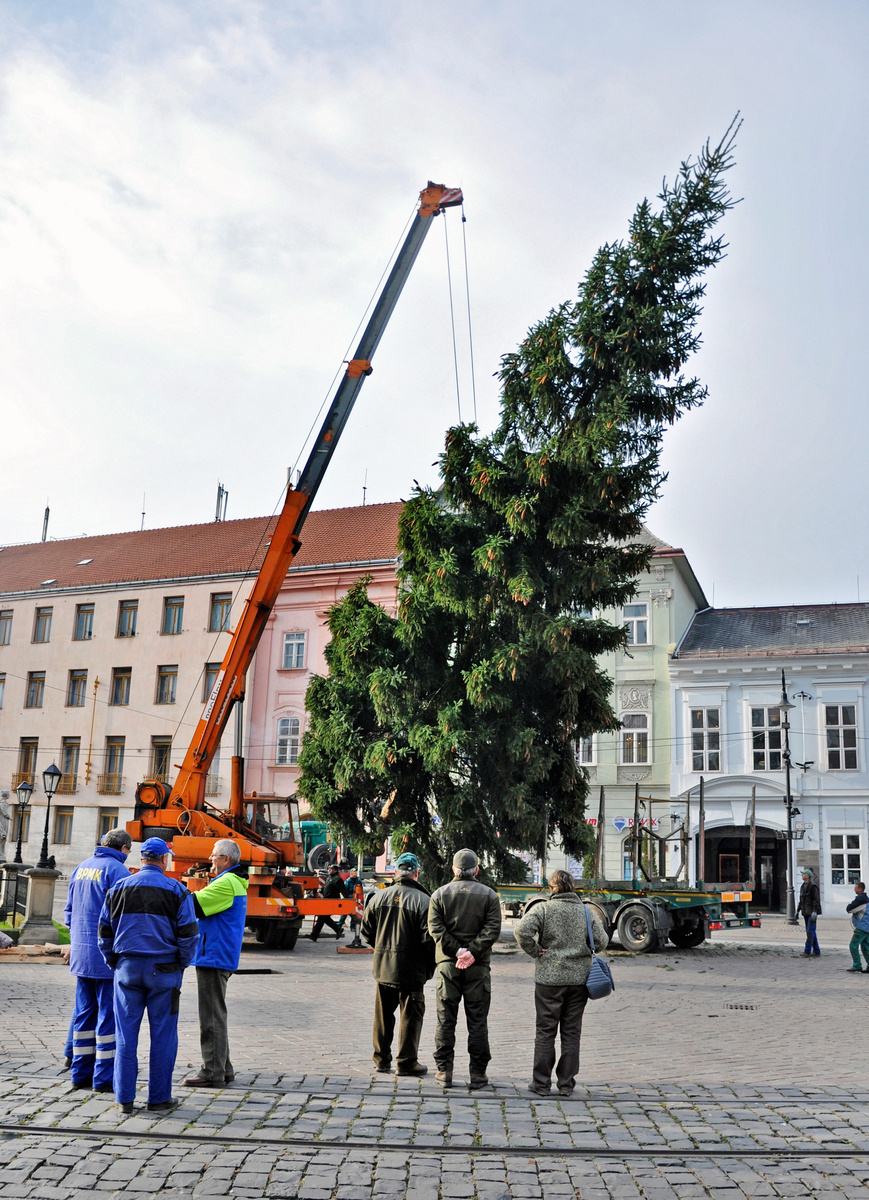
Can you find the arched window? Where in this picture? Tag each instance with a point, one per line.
(288, 742)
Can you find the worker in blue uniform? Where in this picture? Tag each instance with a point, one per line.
(93, 1019)
(148, 934)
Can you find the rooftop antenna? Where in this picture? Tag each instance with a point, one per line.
(142, 526)
(364, 489)
(222, 497)
(45, 522)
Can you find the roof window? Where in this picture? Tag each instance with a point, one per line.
(84, 562)
(46, 582)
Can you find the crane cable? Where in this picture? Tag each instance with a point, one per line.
(470, 326)
(452, 319)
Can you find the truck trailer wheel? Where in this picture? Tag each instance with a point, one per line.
(636, 929)
(686, 936)
(320, 857)
(601, 915)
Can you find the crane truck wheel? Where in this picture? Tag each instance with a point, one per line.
(636, 929)
(686, 936)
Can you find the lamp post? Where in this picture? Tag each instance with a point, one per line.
(51, 777)
(786, 707)
(23, 793)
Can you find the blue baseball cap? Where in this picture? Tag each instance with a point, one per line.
(408, 862)
(155, 847)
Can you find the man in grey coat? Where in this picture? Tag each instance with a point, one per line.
(555, 934)
(464, 918)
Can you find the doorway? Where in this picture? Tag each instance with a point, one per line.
(728, 861)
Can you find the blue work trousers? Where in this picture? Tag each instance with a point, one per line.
(145, 983)
(93, 1033)
(812, 946)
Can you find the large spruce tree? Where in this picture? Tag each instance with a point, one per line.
(456, 721)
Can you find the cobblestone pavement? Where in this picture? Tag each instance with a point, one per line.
(721, 1071)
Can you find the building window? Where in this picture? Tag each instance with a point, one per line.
(221, 603)
(845, 858)
(841, 722)
(70, 749)
(27, 751)
(84, 623)
(635, 618)
(167, 681)
(35, 689)
(128, 611)
(42, 625)
(2, 689)
(294, 652)
(107, 822)
(121, 677)
(111, 782)
(635, 738)
(62, 826)
(705, 739)
(161, 753)
(173, 614)
(212, 779)
(5, 627)
(766, 740)
(209, 678)
(17, 830)
(76, 689)
(288, 742)
(584, 751)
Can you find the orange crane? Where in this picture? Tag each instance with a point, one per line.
(276, 903)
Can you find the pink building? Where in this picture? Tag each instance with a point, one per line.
(338, 547)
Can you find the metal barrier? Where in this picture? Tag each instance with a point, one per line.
(13, 896)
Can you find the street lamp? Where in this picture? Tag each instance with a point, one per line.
(50, 779)
(786, 707)
(23, 793)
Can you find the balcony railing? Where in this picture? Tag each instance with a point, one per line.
(158, 776)
(20, 777)
(68, 785)
(110, 784)
(212, 785)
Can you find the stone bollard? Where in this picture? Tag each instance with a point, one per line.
(38, 927)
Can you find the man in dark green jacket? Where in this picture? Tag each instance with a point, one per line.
(464, 919)
(396, 925)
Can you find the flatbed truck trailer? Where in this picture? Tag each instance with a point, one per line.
(650, 909)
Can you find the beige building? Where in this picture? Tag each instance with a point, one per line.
(108, 646)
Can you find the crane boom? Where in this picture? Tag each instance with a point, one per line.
(188, 790)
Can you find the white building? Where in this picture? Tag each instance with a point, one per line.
(727, 727)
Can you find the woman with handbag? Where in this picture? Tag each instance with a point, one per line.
(555, 933)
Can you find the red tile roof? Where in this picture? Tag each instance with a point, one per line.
(339, 535)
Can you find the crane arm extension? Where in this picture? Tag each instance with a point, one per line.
(188, 791)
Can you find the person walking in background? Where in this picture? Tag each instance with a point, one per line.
(221, 909)
(859, 910)
(396, 925)
(148, 935)
(333, 889)
(464, 919)
(810, 907)
(555, 935)
(93, 1018)
(351, 883)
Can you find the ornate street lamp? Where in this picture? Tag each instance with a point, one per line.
(786, 707)
(23, 793)
(50, 779)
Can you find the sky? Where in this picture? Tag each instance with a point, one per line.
(197, 201)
